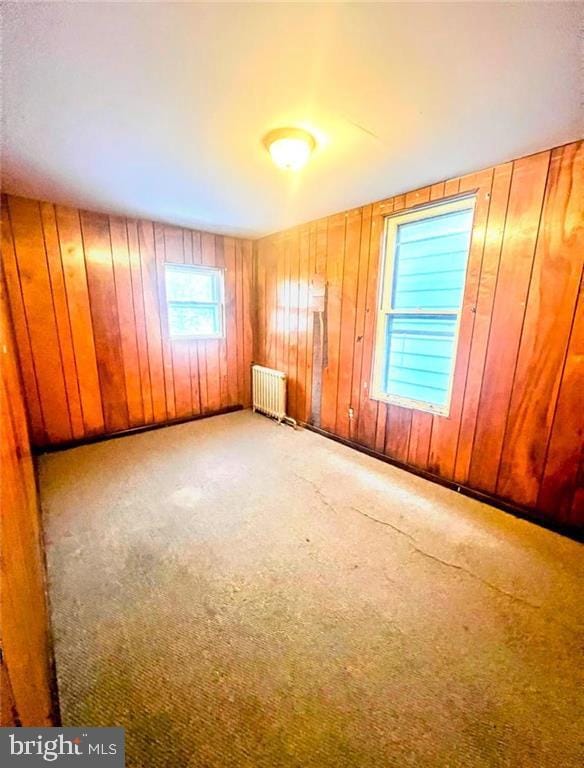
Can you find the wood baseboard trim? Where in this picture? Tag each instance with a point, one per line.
(525, 513)
(39, 450)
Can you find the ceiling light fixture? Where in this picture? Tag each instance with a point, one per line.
(289, 148)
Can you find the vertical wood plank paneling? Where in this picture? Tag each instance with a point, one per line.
(280, 290)
(271, 305)
(75, 276)
(174, 252)
(248, 315)
(192, 247)
(334, 272)
(523, 215)
(222, 345)
(285, 256)
(363, 268)
(368, 407)
(140, 319)
(239, 319)
(561, 477)
(260, 248)
(25, 356)
(26, 656)
(546, 328)
(127, 320)
(349, 288)
(310, 320)
(37, 296)
(151, 311)
(198, 354)
(304, 276)
(287, 305)
(61, 310)
(100, 326)
(503, 346)
(319, 323)
(230, 396)
(104, 314)
(484, 306)
(160, 255)
(293, 256)
(212, 346)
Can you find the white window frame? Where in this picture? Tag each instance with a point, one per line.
(199, 268)
(384, 302)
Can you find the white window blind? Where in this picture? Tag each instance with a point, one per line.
(424, 272)
(194, 300)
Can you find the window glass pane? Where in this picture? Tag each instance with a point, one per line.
(191, 284)
(435, 226)
(419, 357)
(430, 262)
(193, 320)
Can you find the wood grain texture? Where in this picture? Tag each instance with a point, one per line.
(560, 492)
(37, 297)
(88, 297)
(519, 240)
(546, 328)
(515, 425)
(106, 325)
(26, 666)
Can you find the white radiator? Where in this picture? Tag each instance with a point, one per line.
(269, 392)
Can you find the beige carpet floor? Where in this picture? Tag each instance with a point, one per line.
(237, 593)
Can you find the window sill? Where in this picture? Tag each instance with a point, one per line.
(413, 405)
(197, 338)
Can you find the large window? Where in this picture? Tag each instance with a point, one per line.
(194, 298)
(424, 272)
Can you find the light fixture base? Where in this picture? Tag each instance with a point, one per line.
(289, 148)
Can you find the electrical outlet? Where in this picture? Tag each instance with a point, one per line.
(351, 413)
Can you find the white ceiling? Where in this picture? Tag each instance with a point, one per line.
(158, 109)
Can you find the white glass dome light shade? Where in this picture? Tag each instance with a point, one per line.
(289, 148)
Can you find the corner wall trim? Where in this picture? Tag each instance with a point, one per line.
(524, 513)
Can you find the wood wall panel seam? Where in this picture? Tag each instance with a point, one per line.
(70, 239)
(547, 327)
(59, 339)
(26, 647)
(573, 419)
(526, 303)
(22, 331)
(486, 295)
(518, 248)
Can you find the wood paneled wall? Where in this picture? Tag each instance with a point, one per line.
(87, 297)
(25, 669)
(517, 419)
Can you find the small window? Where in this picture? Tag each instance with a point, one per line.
(424, 272)
(194, 299)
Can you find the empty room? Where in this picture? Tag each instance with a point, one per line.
(292, 392)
